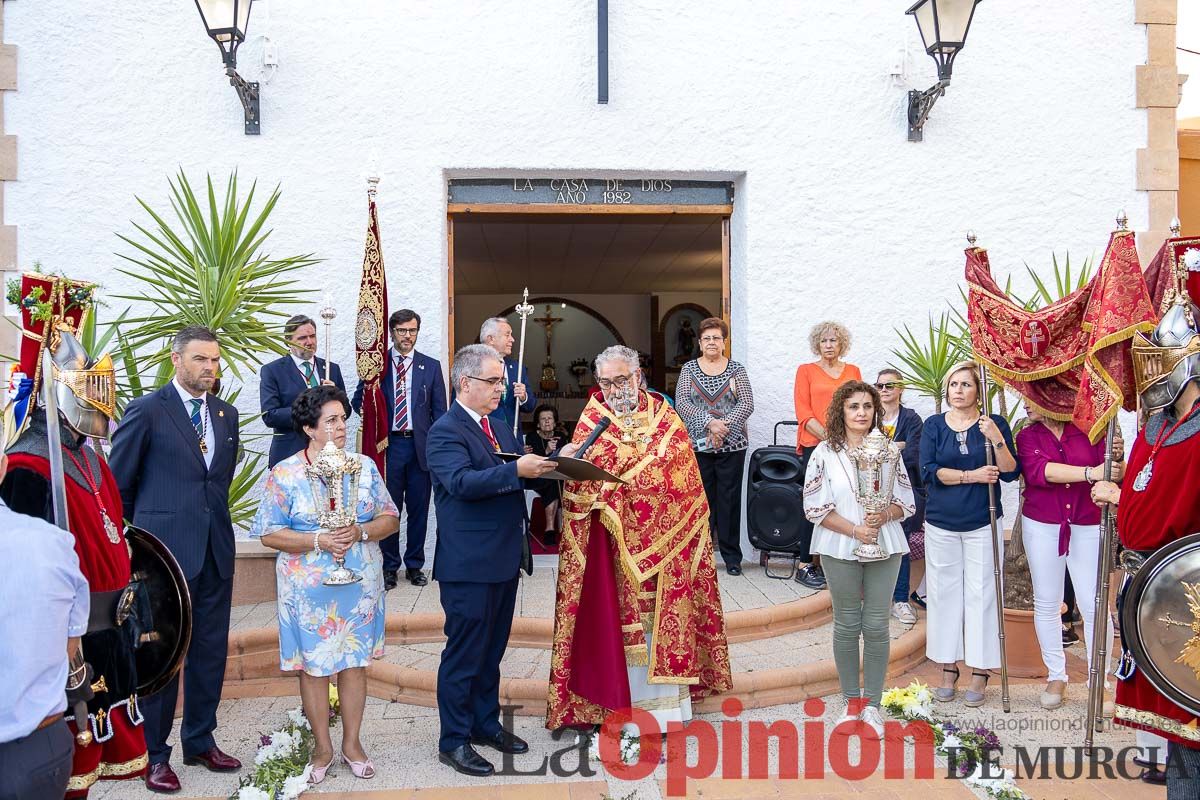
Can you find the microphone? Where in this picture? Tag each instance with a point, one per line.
(592, 437)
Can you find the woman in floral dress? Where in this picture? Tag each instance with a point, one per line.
(327, 630)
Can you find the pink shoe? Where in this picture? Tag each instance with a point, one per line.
(361, 769)
(318, 773)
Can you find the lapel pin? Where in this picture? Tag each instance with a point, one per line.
(221, 413)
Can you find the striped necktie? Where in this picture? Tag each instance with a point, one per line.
(197, 422)
(400, 418)
(310, 374)
(487, 429)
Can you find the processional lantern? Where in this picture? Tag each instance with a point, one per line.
(226, 22)
(943, 25)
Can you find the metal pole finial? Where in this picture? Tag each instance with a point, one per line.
(1122, 221)
(971, 238)
(372, 184)
(1175, 227)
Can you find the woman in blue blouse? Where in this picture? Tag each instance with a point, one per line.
(958, 547)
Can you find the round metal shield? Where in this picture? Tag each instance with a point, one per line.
(163, 647)
(1160, 620)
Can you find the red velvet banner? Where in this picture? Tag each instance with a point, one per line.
(45, 299)
(1070, 360)
(371, 344)
(1160, 274)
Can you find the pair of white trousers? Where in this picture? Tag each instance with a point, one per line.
(961, 597)
(1048, 569)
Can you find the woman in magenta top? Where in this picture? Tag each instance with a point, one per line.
(1061, 531)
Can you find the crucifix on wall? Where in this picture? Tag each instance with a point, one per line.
(548, 321)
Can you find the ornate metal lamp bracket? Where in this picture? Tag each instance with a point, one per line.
(919, 106)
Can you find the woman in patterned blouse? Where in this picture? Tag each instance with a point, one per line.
(714, 399)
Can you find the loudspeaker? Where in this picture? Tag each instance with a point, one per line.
(775, 499)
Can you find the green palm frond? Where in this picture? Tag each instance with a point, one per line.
(1064, 283)
(924, 362)
(210, 268)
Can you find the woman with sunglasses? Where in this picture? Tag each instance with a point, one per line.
(958, 537)
(903, 425)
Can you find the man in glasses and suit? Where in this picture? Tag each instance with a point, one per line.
(415, 397)
(281, 381)
(481, 533)
(173, 456)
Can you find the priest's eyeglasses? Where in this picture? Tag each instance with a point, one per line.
(620, 382)
(493, 382)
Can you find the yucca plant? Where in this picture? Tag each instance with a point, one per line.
(210, 269)
(1064, 284)
(924, 362)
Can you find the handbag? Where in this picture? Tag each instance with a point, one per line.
(916, 544)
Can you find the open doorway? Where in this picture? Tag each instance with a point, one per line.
(644, 280)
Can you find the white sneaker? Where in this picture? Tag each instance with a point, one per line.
(904, 612)
(848, 718)
(870, 716)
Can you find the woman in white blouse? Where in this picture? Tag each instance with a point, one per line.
(861, 590)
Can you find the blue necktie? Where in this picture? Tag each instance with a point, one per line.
(400, 418)
(197, 423)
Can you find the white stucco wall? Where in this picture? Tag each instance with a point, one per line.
(837, 215)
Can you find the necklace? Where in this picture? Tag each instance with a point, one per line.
(85, 469)
(1142, 481)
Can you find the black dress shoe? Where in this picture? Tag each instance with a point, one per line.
(416, 577)
(389, 579)
(464, 759)
(733, 569)
(1156, 776)
(503, 741)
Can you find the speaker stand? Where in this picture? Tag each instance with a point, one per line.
(764, 561)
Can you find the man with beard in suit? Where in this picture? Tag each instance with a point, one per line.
(174, 456)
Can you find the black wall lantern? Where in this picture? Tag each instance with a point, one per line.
(226, 22)
(943, 25)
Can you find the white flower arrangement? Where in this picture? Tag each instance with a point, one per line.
(915, 702)
(1191, 259)
(1000, 786)
(281, 765)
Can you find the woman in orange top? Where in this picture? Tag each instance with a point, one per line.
(815, 384)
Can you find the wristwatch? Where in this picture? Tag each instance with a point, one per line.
(362, 532)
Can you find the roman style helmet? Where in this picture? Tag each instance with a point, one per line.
(53, 312)
(1168, 359)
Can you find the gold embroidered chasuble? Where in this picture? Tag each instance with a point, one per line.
(635, 566)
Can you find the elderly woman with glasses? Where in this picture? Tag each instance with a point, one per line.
(812, 392)
(958, 537)
(714, 399)
(903, 425)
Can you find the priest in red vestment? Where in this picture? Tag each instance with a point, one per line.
(85, 388)
(637, 617)
(1158, 503)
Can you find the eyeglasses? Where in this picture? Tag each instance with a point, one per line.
(889, 385)
(406, 331)
(961, 436)
(712, 338)
(493, 382)
(620, 382)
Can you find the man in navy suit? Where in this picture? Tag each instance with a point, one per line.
(497, 333)
(481, 530)
(282, 380)
(414, 403)
(174, 456)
